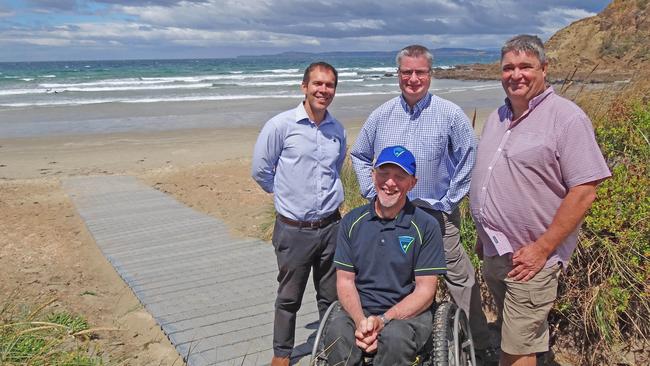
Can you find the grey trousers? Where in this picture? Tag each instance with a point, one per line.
(298, 251)
(398, 343)
(461, 276)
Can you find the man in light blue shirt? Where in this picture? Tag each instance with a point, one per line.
(440, 136)
(298, 157)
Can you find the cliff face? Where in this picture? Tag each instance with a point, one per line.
(617, 40)
(611, 46)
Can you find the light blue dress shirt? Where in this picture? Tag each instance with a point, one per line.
(300, 163)
(440, 136)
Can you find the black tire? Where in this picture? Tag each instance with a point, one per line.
(452, 340)
(317, 354)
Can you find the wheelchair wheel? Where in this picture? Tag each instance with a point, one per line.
(318, 356)
(452, 340)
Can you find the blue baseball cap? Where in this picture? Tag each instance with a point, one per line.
(399, 156)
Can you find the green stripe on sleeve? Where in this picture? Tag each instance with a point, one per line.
(430, 269)
(344, 264)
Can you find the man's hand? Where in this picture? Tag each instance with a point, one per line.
(527, 262)
(367, 332)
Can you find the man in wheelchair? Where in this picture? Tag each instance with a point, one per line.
(388, 256)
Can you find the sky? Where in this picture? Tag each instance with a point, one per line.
(53, 30)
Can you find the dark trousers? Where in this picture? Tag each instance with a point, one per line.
(298, 251)
(398, 343)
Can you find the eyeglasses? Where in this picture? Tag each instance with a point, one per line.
(420, 74)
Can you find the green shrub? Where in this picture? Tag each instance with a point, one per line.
(603, 306)
(608, 277)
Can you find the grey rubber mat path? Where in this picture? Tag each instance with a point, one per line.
(211, 293)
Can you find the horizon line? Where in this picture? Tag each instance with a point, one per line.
(248, 56)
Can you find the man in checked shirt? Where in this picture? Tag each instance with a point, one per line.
(440, 136)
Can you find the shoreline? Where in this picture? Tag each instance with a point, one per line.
(118, 117)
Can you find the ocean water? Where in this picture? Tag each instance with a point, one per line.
(43, 84)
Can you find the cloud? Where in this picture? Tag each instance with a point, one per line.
(53, 5)
(225, 27)
(149, 2)
(558, 18)
(344, 18)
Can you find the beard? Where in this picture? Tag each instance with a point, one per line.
(388, 201)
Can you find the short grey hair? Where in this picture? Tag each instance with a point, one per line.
(414, 50)
(525, 43)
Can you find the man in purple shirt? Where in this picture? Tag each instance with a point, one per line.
(537, 168)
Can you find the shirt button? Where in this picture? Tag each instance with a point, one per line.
(489, 168)
(499, 150)
(382, 240)
(483, 188)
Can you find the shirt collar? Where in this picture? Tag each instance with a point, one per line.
(301, 115)
(533, 103)
(404, 217)
(418, 107)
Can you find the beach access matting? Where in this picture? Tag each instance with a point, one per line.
(212, 293)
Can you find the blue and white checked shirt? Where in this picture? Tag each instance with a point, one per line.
(440, 136)
(301, 163)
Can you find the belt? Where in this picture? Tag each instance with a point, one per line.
(318, 224)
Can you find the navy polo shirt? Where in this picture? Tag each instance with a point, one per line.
(386, 255)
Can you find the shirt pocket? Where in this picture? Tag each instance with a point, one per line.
(331, 148)
(526, 146)
(530, 152)
(430, 147)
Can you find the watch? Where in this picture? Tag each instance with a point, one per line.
(383, 319)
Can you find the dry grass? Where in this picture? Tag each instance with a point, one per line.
(40, 337)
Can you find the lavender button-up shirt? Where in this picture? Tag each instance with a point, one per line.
(525, 169)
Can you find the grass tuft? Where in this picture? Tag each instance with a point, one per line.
(72, 323)
(32, 338)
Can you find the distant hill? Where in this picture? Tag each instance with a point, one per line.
(617, 40)
(437, 52)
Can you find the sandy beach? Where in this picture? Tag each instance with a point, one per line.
(198, 152)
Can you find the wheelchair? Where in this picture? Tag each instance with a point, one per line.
(450, 343)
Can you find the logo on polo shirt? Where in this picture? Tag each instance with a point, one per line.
(405, 242)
